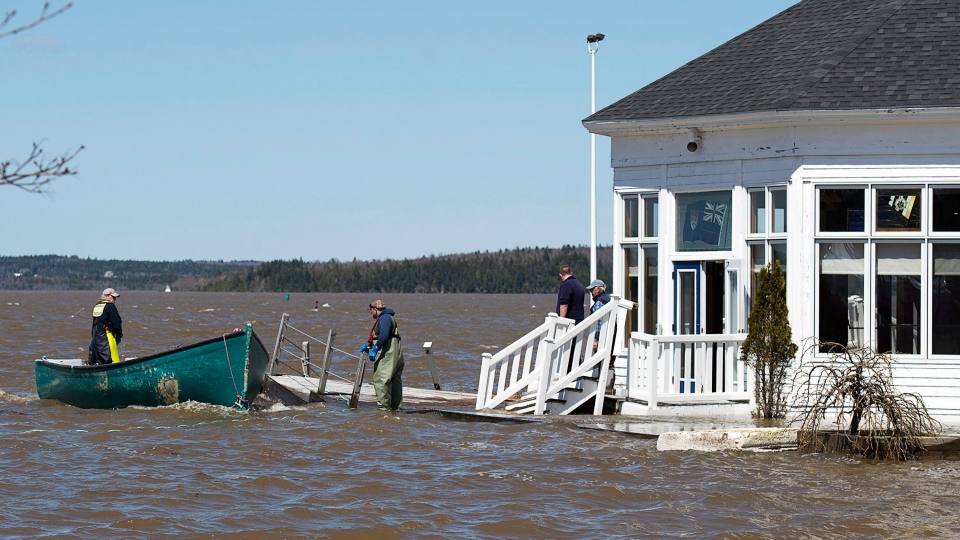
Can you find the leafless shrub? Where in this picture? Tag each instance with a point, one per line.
(855, 384)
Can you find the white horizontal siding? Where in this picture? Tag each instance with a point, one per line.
(702, 174)
(637, 177)
(763, 172)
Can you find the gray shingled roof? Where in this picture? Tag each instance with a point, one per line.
(818, 54)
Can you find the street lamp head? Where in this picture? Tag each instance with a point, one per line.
(598, 37)
(591, 38)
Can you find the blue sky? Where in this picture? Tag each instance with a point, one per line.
(252, 130)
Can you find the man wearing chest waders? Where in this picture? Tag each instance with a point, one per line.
(107, 330)
(383, 346)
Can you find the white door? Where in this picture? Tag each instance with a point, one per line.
(686, 301)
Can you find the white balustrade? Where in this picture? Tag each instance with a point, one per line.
(512, 370)
(555, 364)
(687, 369)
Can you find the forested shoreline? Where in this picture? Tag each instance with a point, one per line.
(521, 270)
(72, 273)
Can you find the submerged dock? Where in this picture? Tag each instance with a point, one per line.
(303, 382)
(298, 390)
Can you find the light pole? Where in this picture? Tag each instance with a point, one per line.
(593, 45)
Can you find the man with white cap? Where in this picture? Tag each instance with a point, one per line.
(598, 290)
(107, 330)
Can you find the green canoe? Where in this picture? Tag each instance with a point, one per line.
(226, 370)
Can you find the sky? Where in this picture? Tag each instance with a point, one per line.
(242, 130)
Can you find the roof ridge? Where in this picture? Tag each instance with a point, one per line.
(687, 63)
(833, 60)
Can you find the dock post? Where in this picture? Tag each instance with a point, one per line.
(272, 366)
(434, 372)
(355, 396)
(305, 359)
(325, 368)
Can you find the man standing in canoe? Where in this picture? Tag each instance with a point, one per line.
(383, 346)
(107, 330)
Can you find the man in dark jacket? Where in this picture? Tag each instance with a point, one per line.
(107, 330)
(383, 346)
(570, 297)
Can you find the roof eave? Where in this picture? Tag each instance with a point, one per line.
(757, 119)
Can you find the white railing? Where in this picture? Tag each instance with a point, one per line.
(687, 369)
(512, 370)
(557, 354)
(572, 360)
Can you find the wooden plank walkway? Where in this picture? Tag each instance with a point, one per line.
(296, 390)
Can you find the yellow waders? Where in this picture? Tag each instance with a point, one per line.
(114, 353)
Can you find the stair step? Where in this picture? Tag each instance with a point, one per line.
(520, 404)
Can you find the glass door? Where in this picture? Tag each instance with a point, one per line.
(686, 309)
(731, 316)
(733, 324)
(686, 299)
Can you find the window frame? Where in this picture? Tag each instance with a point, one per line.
(641, 243)
(904, 234)
(867, 212)
(928, 219)
(926, 238)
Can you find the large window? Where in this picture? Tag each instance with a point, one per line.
(889, 268)
(898, 209)
(946, 299)
(766, 237)
(841, 210)
(640, 257)
(650, 294)
(898, 298)
(946, 209)
(841, 295)
(631, 273)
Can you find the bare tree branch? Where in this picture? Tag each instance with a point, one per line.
(43, 17)
(36, 172)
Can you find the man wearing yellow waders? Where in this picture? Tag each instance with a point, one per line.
(107, 330)
(383, 346)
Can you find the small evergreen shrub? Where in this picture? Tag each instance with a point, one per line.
(769, 348)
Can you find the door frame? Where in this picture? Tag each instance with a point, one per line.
(697, 268)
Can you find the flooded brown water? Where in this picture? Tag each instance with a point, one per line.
(324, 471)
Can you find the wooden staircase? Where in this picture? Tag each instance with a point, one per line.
(553, 369)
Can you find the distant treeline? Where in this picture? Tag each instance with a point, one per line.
(526, 270)
(55, 272)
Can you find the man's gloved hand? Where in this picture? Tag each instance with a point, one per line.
(365, 348)
(373, 352)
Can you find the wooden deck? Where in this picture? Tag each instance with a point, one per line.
(296, 390)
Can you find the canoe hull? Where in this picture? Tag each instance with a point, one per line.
(220, 371)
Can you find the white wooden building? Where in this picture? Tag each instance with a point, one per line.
(828, 138)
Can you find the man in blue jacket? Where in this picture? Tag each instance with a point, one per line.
(383, 346)
(598, 290)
